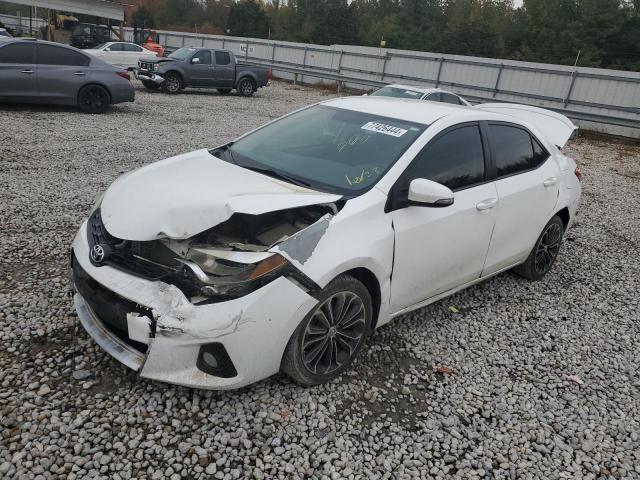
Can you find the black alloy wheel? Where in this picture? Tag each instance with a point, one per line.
(94, 99)
(172, 83)
(246, 87)
(329, 338)
(545, 251)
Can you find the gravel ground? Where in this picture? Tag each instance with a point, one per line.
(474, 386)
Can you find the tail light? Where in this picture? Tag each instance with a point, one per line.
(578, 173)
(124, 74)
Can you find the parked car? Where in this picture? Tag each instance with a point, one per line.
(5, 34)
(88, 35)
(34, 71)
(419, 93)
(202, 67)
(122, 54)
(285, 248)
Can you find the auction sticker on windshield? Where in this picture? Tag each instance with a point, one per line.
(382, 128)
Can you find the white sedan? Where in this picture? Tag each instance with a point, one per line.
(122, 54)
(285, 249)
(419, 93)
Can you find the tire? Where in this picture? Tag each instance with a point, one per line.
(224, 91)
(172, 83)
(94, 99)
(246, 87)
(150, 85)
(545, 251)
(307, 358)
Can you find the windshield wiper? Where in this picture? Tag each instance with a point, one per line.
(275, 174)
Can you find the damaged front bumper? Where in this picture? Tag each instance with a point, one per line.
(151, 326)
(147, 76)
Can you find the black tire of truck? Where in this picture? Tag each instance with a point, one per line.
(172, 83)
(246, 87)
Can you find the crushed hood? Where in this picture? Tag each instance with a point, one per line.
(556, 127)
(184, 195)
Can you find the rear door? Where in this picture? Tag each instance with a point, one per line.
(527, 179)
(61, 73)
(18, 71)
(201, 69)
(225, 70)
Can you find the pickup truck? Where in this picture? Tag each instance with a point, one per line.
(201, 67)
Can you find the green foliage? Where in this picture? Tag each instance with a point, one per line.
(600, 33)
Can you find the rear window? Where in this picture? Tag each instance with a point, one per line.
(52, 55)
(396, 92)
(17, 53)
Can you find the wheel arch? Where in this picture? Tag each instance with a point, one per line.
(371, 283)
(250, 75)
(177, 72)
(565, 216)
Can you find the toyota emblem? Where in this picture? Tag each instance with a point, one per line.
(97, 254)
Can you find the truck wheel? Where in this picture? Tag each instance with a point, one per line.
(150, 85)
(246, 87)
(224, 91)
(94, 99)
(172, 83)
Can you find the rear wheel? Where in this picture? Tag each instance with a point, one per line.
(330, 337)
(150, 85)
(172, 83)
(246, 87)
(94, 99)
(544, 252)
(224, 91)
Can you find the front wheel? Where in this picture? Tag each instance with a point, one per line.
(544, 252)
(94, 99)
(246, 87)
(327, 341)
(172, 83)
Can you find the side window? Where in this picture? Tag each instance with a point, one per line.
(449, 98)
(204, 56)
(223, 58)
(514, 150)
(434, 97)
(17, 53)
(456, 159)
(117, 47)
(130, 47)
(52, 55)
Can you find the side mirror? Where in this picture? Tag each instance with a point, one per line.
(195, 60)
(429, 194)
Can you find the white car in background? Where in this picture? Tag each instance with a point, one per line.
(419, 93)
(284, 249)
(122, 54)
(5, 35)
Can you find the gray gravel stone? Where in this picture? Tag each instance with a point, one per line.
(504, 410)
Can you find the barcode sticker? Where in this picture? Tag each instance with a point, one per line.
(385, 129)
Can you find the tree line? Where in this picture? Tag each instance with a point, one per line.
(595, 33)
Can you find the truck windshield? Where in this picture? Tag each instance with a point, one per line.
(326, 148)
(183, 53)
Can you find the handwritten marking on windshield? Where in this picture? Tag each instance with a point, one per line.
(365, 175)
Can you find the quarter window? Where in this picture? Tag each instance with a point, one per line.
(514, 150)
(456, 159)
(449, 98)
(223, 58)
(17, 53)
(204, 56)
(52, 55)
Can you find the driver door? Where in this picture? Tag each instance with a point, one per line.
(201, 69)
(440, 248)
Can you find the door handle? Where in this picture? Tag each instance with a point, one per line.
(28, 72)
(550, 182)
(487, 204)
(80, 74)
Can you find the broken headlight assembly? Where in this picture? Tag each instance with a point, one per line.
(220, 274)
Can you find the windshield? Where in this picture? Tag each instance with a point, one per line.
(327, 148)
(397, 92)
(183, 53)
(82, 30)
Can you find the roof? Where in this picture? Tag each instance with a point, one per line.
(417, 111)
(415, 88)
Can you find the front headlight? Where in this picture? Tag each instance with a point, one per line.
(156, 66)
(237, 274)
